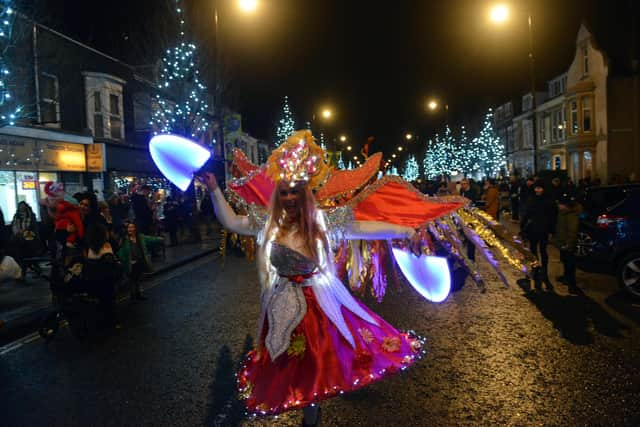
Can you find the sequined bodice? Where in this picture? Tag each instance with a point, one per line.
(289, 262)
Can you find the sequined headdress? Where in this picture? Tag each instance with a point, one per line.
(299, 158)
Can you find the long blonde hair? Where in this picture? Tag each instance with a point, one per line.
(309, 228)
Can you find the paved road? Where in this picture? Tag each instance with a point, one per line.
(505, 357)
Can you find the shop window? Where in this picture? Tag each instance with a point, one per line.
(7, 195)
(98, 120)
(43, 178)
(557, 160)
(586, 113)
(49, 100)
(587, 163)
(27, 190)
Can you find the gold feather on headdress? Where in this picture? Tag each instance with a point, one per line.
(299, 159)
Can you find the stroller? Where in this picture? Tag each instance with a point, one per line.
(76, 299)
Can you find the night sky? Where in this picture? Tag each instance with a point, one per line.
(375, 63)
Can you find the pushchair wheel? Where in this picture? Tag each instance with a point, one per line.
(49, 326)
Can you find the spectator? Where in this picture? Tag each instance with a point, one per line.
(206, 210)
(491, 198)
(103, 273)
(526, 192)
(171, 219)
(24, 236)
(566, 238)
(539, 222)
(443, 189)
(555, 192)
(119, 211)
(134, 254)
(3, 231)
(514, 197)
(142, 210)
(467, 191)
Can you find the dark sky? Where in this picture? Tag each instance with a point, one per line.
(375, 63)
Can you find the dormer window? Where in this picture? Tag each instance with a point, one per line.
(104, 105)
(585, 61)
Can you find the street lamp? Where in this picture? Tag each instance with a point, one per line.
(327, 114)
(433, 105)
(248, 5)
(400, 148)
(408, 137)
(499, 14)
(343, 138)
(348, 148)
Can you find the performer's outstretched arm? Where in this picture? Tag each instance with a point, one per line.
(237, 223)
(377, 230)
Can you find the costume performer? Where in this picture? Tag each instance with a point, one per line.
(315, 339)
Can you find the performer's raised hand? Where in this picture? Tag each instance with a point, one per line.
(209, 180)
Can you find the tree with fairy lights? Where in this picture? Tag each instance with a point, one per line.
(11, 108)
(286, 125)
(489, 151)
(411, 172)
(181, 102)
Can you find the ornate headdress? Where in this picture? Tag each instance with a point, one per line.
(299, 159)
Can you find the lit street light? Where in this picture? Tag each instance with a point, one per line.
(433, 105)
(327, 114)
(348, 148)
(399, 148)
(393, 155)
(499, 13)
(408, 137)
(343, 138)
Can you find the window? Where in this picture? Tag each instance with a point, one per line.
(526, 102)
(587, 163)
(586, 113)
(98, 119)
(557, 162)
(49, 100)
(585, 61)
(104, 105)
(574, 116)
(527, 134)
(115, 119)
(558, 125)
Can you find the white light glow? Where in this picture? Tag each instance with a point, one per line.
(177, 158)
(429, 275)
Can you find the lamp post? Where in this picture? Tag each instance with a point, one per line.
(500, 14)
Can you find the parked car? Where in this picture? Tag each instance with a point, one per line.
(609, 234)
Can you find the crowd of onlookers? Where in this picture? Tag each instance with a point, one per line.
(546, 211)
(105, 245)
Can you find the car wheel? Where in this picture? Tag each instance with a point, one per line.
(584, 245)
(629, 273)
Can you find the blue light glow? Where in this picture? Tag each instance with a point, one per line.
(177, 158)
(429, 275)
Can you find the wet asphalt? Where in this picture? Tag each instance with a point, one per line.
(505, 357)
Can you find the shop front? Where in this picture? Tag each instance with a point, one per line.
(30, 157)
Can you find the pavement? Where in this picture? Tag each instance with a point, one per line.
(22, 304)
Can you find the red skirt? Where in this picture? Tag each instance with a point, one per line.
(320, 363)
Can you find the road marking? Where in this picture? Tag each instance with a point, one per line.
(34, 336)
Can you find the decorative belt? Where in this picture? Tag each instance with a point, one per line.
(299, 278)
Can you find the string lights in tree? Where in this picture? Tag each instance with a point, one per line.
(286, 125)
(493, 152)
(181, 104)
(10, 108)
(411, 170)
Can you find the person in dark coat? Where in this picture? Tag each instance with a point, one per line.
(142, 210)
(539, 222)
(526, 191)
(566, 238)
(171, 219)
(514, 197)
(102, 273)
